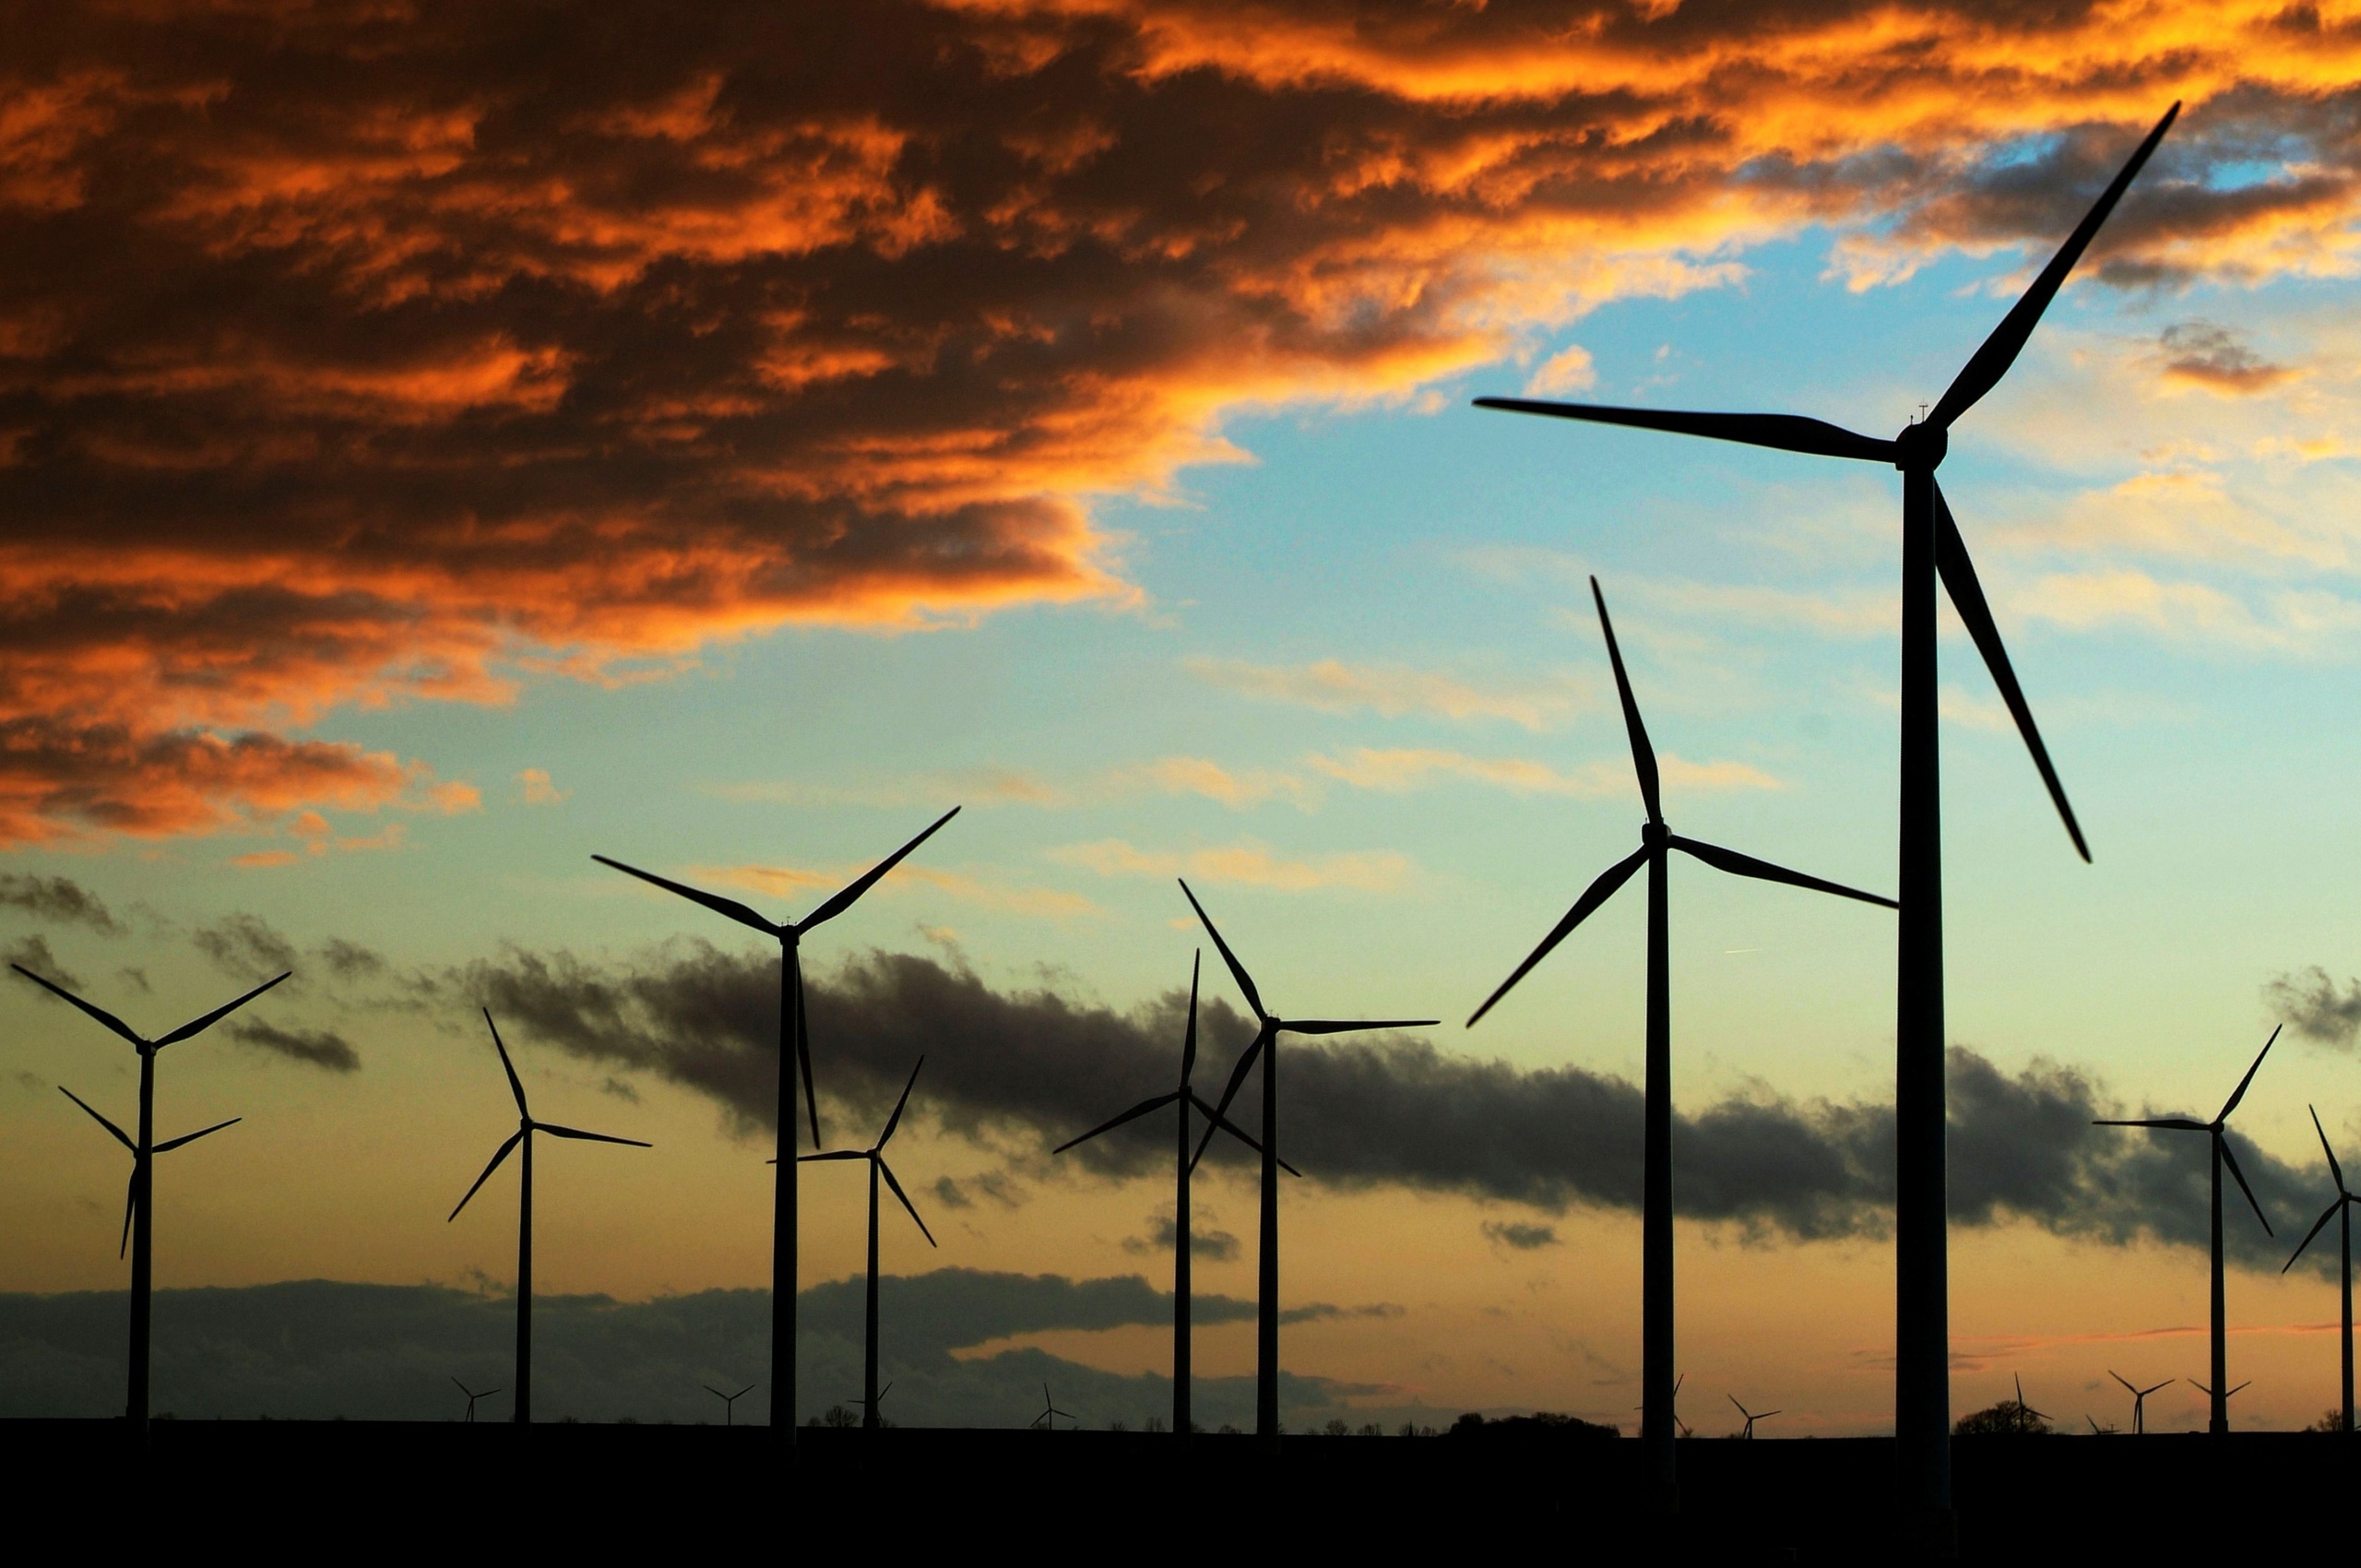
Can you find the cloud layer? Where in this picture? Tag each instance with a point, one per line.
(349, 355)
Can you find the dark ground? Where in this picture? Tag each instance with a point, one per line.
(711, 1492)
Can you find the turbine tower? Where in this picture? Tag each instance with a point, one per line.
(2341, 1210)
(139, 1216)
(2138, 1401)
(1265, 1044)
(1657, 1421)
(2216, 1133)
(523, 1139)
(1184, 1097)
(1931, 546)
(792, 1063)
(1751, 1417)
(876, 1155)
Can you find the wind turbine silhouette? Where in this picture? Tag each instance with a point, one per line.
(1265, 1044)
(2138, 1401)
(1679, 1425)
(2215, 1132)
(2026, 1414)
(523, 1139)
(728, 1402)
(791, 1064)
(1657, 1422)
(2221, 1401)
(1931, 546)
(2342, 1209)
(1047, 1419)
(1184, 1097)
(876, 1155)
(139, 1219)
(1751, 1417)
(472, 1396)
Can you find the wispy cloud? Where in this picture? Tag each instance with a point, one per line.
(1246, 863)
(535, 788)
(1395, 691)
(1406, 769)
(987, 892)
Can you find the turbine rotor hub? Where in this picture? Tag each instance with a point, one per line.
(1920, 447)
(1653, 834)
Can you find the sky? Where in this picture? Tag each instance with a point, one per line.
(441, 444)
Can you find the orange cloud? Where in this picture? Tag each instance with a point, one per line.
(343, 364)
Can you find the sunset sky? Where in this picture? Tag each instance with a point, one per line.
(440, 442)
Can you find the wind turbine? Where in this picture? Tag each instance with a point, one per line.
(2215, 1131)
(1184, 1097)
(2221, 1401)
(791, 1064)
(472, 1396)
(140, 1212)
(1657, 1422)
(1265, 1044)
(2343, 1211)
(728, 1402)
(876, 1155)
(2138, 1401)
(1931, 546)
(1679, 1425)
(523, 1137)
(1751, 1417)
(2026, 1414)
(1047, 1419)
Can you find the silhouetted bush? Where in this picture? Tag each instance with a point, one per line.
(2007, 1419)
(1545, 1426)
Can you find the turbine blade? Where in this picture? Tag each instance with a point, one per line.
(887, 1172)
(167, 1146)
(803, 1053)
(895, 1120)
(1785, 433)
(554, 1130)
(130, 1204)
(1236, 970)
(1229, 1092)
(1232, 1128)
(2248, 1383)
(2121, 1379)
(120, 1136)
(1643, 756)
(1597, 893)
(1992, 359)
(513, 1139)
(714, 902)
(2170, 1123)
(1134, 1115)
(712, 1390)
(2334, 1170)
(851, 893)
(2326, 1215)
(515, 1086)
(1189, 1040)
(2231, 1161)
(832, 1154)
(2167, 1383)
(1967, 598)
(2240, 1093)
(198, 1026)
(1352, 1026)
(101, 1014)
(1736, 865)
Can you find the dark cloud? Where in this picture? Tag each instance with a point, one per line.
(313, 1048)
(32, 953)
(1323, 1312)
(349, 961)
(346, 358)
(245, 947)
(1523, 1237)
(1022, 1070)
(1164, 1235)
(2214, 357)
(58, 898)
(2311, 1002)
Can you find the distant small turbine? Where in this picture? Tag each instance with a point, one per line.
(728, 1402)
(472, 1396)
(794, 1065)
(1047, 1419)
(2217, 1132)
(526, 1128)
(2026, 1414)
(1185, 1097)
(2342, 1210)
(139, 1216)
(2138, 1401)
(1751, 1417)
(876, 1155)
(2221, 1401)
(1265, 1044)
